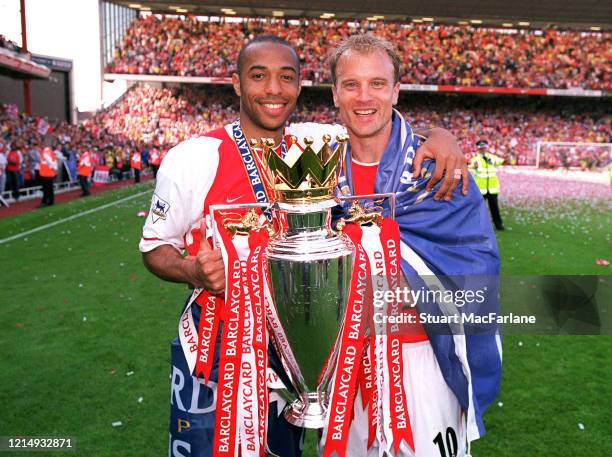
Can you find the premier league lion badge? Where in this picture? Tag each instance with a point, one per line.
(159, 208)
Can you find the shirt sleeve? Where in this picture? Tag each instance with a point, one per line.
(183, 182)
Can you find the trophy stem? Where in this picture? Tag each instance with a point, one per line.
(306, 412)
(308, 264)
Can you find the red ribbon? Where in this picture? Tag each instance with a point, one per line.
(210, 306)
(367, 384)
(349, 354)
(230, 355)
(257, 264)
(400, 420)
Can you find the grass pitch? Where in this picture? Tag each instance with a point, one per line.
(85, 332)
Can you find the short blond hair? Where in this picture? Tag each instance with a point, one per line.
(364, 43)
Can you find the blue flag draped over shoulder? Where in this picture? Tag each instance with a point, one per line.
(440, 238)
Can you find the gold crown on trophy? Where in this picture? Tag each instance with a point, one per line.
(311, 176)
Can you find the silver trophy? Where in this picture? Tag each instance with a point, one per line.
(310, 269)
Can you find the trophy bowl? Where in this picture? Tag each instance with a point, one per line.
(310, 267)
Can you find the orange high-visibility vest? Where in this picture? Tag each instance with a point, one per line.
(136, 161)
(85, 165)
(48, 163)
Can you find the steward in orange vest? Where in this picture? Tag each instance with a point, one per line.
(48, 171)
(84, 172)
(154, 160)
(136, 163)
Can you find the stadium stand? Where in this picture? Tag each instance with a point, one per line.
(450, 56)
(166, 116)
(432, 54)
(25, 134)
(150, 117)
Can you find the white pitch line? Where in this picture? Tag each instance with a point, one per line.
(69, 218)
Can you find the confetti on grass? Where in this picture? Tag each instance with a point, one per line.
(117, 424)
(522, 187)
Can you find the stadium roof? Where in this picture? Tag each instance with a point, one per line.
(540, 13)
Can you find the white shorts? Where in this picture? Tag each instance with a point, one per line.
(435, 414)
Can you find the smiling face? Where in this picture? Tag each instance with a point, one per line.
(365, 92)
(268, 87)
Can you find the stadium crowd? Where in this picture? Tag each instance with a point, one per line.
(162, 117)
(150, 119)
(432, 54)
(8, 44)
(23, 137)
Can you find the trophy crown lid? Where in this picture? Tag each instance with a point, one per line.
(312, 176)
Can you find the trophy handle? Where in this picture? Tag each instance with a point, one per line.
(242, 225)
(361, 215)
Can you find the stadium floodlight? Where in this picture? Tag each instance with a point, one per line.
(428, 19)
(569, 152)
(278, 13)
(417, 21)
(595, 29)
(507, 24)
(524, 24)
(327, 15)
(135, 5)
(476, 21)
(463, 22)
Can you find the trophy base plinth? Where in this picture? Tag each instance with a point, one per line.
(308, 415)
